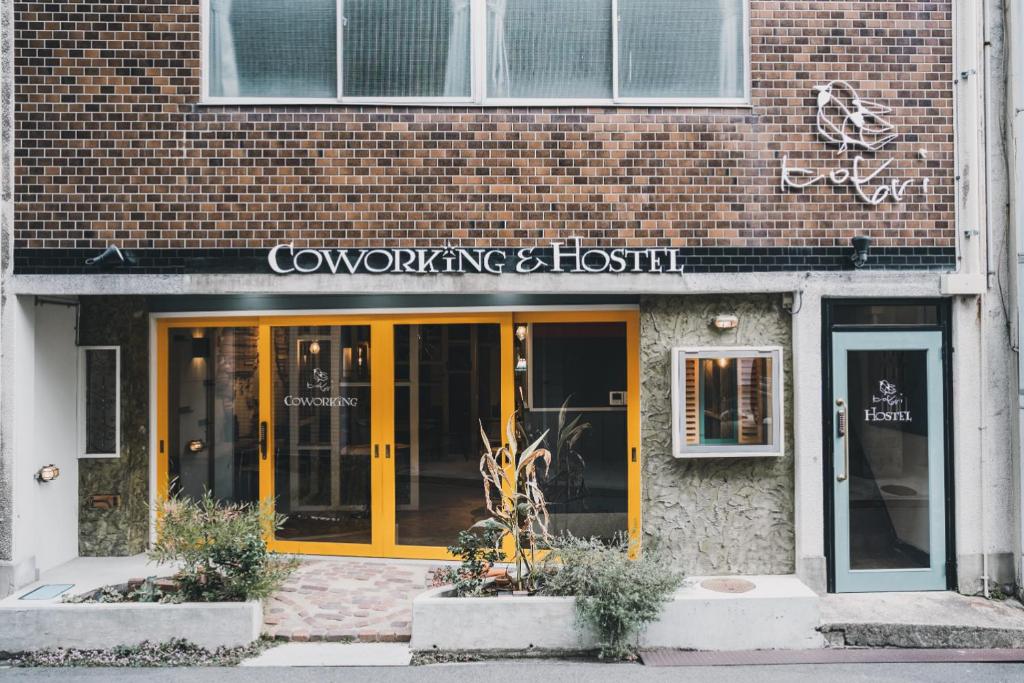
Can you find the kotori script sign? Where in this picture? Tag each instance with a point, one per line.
(560, 257)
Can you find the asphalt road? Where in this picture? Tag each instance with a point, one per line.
(557, 671)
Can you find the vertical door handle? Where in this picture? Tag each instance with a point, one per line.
(263, 440)
(376, 450)
(633, 454)
(387, 451)
(842, 428)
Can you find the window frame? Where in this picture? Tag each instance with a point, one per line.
(682, 450)
(83, 352)
(478, 71)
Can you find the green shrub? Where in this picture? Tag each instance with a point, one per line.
(220, 548)
(615, 596)
(479, 551)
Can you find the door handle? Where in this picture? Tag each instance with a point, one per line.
(263, 440)
(376, 450)
(387, 451)
(842, 428)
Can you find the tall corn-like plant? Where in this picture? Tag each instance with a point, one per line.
(514, 498)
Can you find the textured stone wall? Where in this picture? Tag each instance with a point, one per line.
(715, 515)
(119, 321)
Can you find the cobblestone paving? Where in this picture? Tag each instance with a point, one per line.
(340, 599)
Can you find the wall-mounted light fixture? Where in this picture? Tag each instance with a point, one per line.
(725, 322)
(47, 473)
(861, 248)
(196, 446)
(200, 347)
(314, 348)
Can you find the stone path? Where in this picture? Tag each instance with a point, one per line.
(338, 599)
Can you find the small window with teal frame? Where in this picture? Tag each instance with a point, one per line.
(727, 402)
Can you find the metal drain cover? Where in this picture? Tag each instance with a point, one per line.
(728, 585)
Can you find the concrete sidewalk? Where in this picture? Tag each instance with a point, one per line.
(89, 573)
(921, 620)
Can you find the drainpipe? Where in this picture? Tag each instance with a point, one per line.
(1014, 22)
(986, 90)
(971, 205)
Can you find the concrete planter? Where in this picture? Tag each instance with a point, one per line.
(780, 613)
(102, 626)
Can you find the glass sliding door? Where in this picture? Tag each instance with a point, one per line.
(322, 422)
(888, 461)
(447, 384)
(583, 410)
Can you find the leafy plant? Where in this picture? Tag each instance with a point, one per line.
(567, 481)
(478, 552)
(147, 592)
(514, 498)
(615, 596)
(220, 549)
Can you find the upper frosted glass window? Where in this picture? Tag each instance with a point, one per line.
(407, 48)
(549, 50)
(269, 48)
(681, 49)
(478, 51)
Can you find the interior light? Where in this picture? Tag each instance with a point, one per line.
(723, 362)
(196, 446)
(521, 364)
(47, 473)
(200, 347)
(521, 333)
(314, 348)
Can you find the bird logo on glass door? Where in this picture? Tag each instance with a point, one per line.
(891, 401)
(321, 381)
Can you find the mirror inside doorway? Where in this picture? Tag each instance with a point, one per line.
(213, 405)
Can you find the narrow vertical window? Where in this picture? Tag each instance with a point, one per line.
(549, 50)
(268, 48)
(681, 49)
(99, 396)
(406, 48)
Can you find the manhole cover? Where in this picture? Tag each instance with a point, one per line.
(727, 585)
(897, 490)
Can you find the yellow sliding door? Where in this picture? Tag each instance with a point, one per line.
(374, 428)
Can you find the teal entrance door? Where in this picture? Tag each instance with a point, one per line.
(889, 484)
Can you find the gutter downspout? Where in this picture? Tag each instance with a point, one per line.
(986, 91)
(1014, 22)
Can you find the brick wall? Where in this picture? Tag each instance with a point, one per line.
(113, 146)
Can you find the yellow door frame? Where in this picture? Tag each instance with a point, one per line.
(382, 326)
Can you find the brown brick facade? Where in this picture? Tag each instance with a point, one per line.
(113, 146)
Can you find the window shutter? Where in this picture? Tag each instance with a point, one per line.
(750, 402)
(692, 402)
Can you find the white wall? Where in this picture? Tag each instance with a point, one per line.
(45, 432)
(55, 527)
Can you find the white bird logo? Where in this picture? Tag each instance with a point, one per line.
(321, 381)
(889, 396)
(846, 119)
